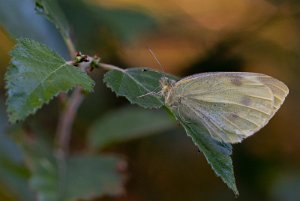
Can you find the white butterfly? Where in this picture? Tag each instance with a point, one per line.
(231, 106)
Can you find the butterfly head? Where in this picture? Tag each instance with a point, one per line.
(166, 84)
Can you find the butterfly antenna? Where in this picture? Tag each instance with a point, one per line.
(156, 59)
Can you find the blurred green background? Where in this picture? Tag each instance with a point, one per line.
(189, 36)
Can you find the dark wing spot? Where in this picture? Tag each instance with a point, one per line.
(246, 101)
(237, 81)
(233, 116)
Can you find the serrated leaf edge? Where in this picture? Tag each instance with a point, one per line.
(45, 103)
(111, 88)
(234, 187)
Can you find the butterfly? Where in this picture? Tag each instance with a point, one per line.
(230, 105)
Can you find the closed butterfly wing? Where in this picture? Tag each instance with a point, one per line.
(279, 90)
(232, 106)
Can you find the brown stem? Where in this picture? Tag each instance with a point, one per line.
(109, 67)
(70, 46)
(66, 119)
(72, 104)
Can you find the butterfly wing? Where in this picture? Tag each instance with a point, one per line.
(232, 106)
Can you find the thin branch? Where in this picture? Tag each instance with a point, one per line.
(70, 46)
(66, 119)
(109, 67)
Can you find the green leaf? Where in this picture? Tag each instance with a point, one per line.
(132, 123)
(78, 177)
(52, 11)
(218, 154)
(19, 19)
(37, 74)
(93, 176)
(81, 177)
(133, 83)
(138, 85)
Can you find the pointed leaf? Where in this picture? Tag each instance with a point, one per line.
(19, 19)
(52, 11)
(218, 154)
(133, 83)
(132, 123)
(37, 74)
(138, 85)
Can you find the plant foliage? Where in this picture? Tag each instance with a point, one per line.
(218, 154)
(139, 85)
(133, 83)
(80, 177)
(35, 75)
(52, 11)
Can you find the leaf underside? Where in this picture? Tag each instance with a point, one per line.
(133, 83)
(36, 74)
(138, 85)
(218, 154)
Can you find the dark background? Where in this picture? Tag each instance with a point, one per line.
(190, 36)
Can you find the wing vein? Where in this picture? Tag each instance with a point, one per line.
(258, 126)
(230, 122)
(282, 89)
(232, 103)
(207, 121)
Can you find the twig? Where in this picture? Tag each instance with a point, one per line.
(67, 117)
(109, 67)
(66, 121)
(70, 46)
(72, 104)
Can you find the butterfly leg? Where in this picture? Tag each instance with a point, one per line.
(150, 93)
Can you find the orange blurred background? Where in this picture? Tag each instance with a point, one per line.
(192, 36)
